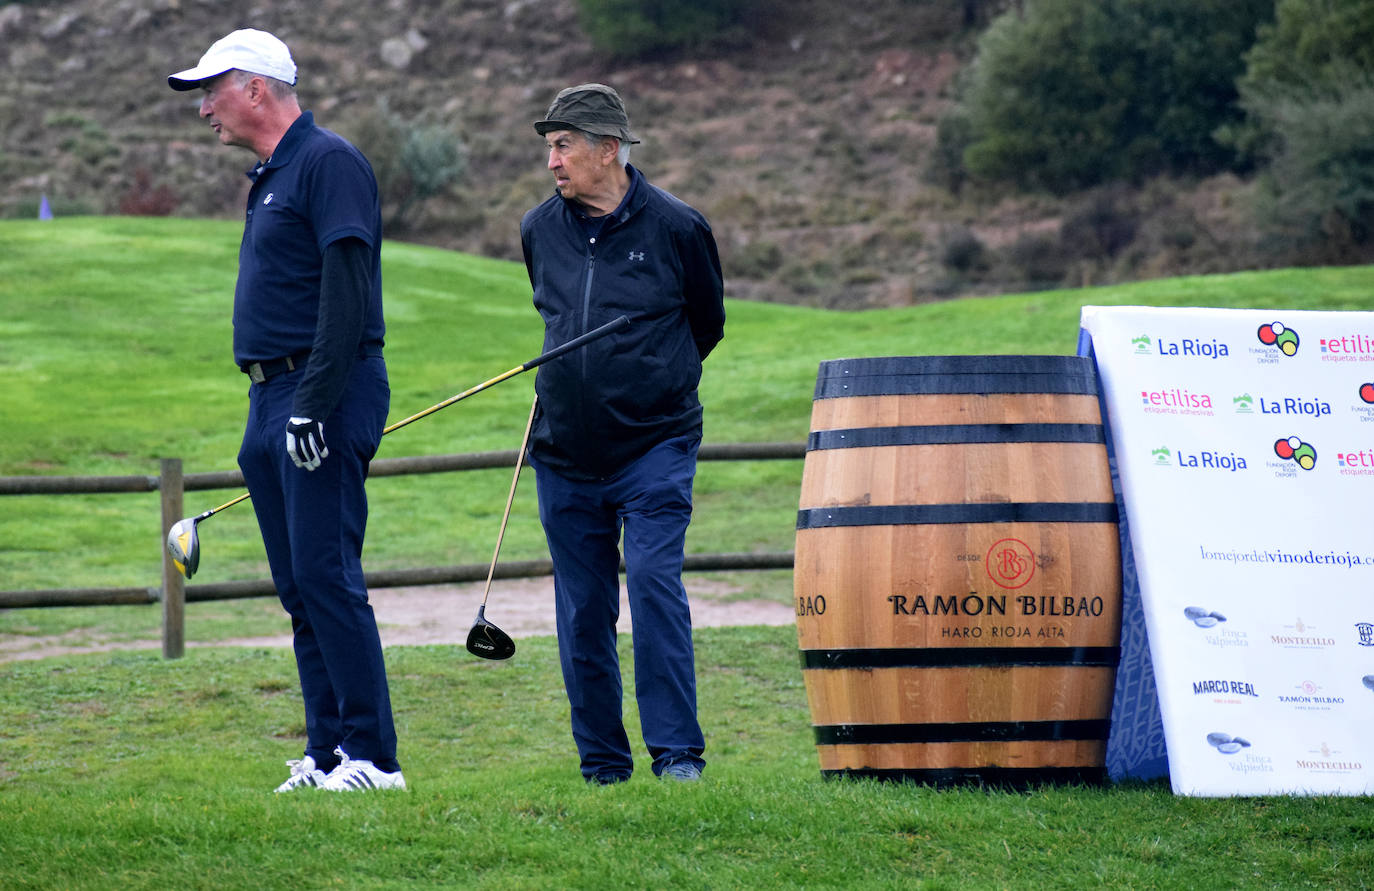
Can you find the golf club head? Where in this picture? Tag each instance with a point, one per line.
(488, 641)
(183, 545)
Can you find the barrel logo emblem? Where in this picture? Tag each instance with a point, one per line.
(1010, 563)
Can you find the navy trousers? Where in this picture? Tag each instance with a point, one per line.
(651, 501)
(312, 525)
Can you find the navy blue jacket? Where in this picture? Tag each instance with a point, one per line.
(655, 261)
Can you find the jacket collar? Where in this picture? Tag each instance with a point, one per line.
(633, 200)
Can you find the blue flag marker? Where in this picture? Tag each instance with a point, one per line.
(44, 209)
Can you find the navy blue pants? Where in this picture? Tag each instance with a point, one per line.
(651, 501)
(312, 524)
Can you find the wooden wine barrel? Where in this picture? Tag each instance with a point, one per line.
(958, 570)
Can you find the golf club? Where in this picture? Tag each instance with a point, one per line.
(183, 540)
(484, 638)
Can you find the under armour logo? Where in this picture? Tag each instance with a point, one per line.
(268, 199)
(636, 255)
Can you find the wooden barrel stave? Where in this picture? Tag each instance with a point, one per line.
(961, 695)
(946, 474)
(972, 759)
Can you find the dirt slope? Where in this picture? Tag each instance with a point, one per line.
(804, 146)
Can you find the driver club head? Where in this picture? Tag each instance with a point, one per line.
(488, 641)
(183, 546)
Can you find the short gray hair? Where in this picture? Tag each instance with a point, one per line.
(622, 155)
(278, 88)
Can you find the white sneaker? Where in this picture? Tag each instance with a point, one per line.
(357, 773)
(303, 773)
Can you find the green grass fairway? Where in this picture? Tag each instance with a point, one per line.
(115, 344)
(126, 771)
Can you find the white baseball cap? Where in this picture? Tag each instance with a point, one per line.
(248, 49)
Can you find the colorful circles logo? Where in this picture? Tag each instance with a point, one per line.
(1367, 393)
(1275, 334)
(1294, 449)
(1010, 563)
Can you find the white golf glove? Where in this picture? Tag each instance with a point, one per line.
(305, 442)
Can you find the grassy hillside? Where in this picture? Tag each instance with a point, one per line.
(115, 345)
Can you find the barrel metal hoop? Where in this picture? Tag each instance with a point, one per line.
(986, 731)
(959, 657)
(935, 514)
(954, 434)
(973, 375)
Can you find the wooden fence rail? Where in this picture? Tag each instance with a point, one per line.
(171, 484)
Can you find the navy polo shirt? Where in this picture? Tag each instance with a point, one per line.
(314, 190)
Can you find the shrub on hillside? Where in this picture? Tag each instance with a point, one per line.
(757, 258)
(640, 27)
(413, 161)
(963, 251)
(1036, 261)
(1311, 44)
(143, 199)
(1320, 179)
(1101, 224)
(1308, 89)
(944, 166)
(1079, 92)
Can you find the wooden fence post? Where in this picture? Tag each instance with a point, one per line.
(173, 585)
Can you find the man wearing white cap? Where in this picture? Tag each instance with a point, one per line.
(308, 331)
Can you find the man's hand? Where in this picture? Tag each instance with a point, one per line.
(305, 442)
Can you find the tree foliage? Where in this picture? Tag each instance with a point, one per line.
(640, 27)
(1309, 92)
(1311, 42)
(1072, 93)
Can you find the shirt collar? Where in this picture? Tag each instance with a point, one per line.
(286, 149)
(621, 209)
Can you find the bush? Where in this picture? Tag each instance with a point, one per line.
(962, 251)
(755, 259)
(413, 161)
(1321, 174)
(143, 199)
(1039, 261)
(1309, 92)
(640, 27)
(1101, 225)
(945, 165)
(1078, 92)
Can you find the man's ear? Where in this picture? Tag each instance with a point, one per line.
(610, 147)
(257, 89)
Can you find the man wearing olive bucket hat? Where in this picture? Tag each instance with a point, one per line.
(614, 440)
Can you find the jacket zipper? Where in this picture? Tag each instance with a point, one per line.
(586, 325)
(587, 299)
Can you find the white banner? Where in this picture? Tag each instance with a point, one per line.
(1244, 441)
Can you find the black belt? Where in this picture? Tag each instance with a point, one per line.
(270, 368)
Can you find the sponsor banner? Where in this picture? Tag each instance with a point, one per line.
(1243, 442)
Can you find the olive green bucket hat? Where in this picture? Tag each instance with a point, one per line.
(592, 108)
